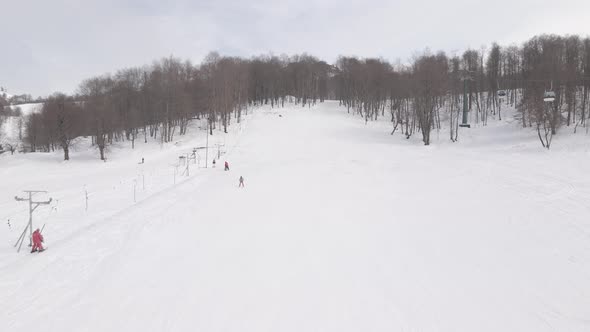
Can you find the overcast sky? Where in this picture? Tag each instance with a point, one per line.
(53, 45)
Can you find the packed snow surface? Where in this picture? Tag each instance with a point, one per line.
(341, 227)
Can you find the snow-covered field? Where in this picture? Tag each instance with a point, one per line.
(9, 125)
(341, 227)
(28, 109)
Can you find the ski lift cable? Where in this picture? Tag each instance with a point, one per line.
(541, 80)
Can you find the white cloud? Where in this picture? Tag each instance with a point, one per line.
(53, 45)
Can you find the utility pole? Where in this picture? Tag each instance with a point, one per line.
(187, 170)
(197, 155)
(207, 144)
(32, 206)
(86, 195)
(219, 145)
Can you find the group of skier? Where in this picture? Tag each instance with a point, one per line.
(226, 168)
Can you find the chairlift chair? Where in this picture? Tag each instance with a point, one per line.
(501, 93)
(549, 96)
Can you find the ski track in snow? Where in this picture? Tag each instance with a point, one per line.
(341, 227)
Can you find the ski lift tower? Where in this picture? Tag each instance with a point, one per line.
(219, 146)
(32, 206)
(466, 75)
(196, 152)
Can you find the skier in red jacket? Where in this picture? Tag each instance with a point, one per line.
(37, 240)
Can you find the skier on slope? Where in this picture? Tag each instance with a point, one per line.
(241, 182)
(37, 240)
(226, 166)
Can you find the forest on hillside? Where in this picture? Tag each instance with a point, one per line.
(547, 79)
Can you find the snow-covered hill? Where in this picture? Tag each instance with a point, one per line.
(5, 95)
(13, 128)
(341, 227)
(28, 109)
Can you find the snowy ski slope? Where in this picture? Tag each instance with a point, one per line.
(9, 129)
(341, 227)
